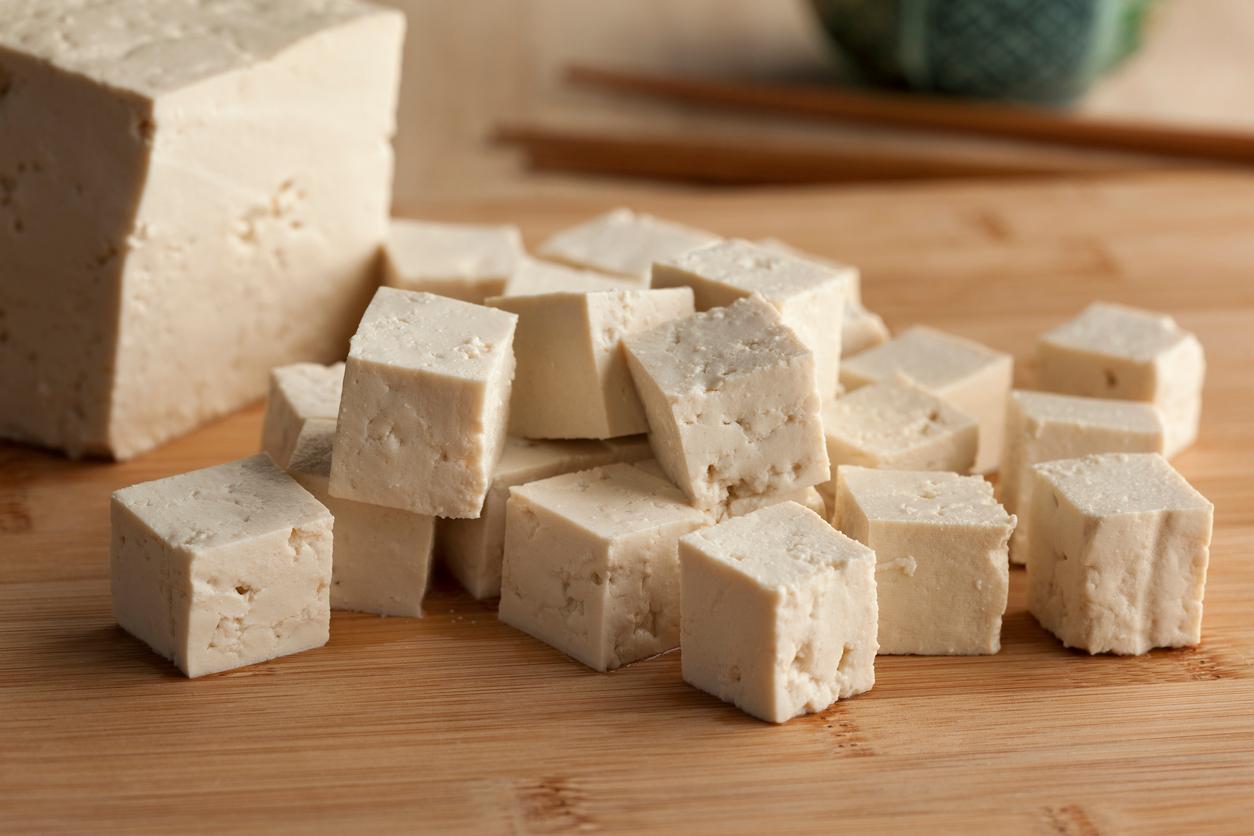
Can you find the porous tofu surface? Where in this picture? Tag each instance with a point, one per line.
(930, 358)
(533, 275)
(623, 243)
(1121, 483)
(925, 497)
(779, 612)
(732, 403)
(897, 423)
(1119, 331)
(300, 393)
(724, 271)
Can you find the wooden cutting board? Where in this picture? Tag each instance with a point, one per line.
(457, 722)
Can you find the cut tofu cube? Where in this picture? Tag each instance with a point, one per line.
(472, 549)
(622, 243)
(191, 193)
(940, 542)
(809, 296)
(860, 329)
(896, 425)
(573, 380)
(1117, 555)
(425, 404)
(461, 261)
(1112, 351)
(302, 395)
(778, 613)
(222, 567)
(534, 276)
(732, 403)
(382, 555)
(1042, 427)
(971, 377)
(591, 563)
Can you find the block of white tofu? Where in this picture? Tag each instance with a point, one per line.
(461, 261)
(896, 425)
(622, 243)
(1117, 555)
(191, 193)
(1112, 351)
(472, 549)
(860, 328)
(940, 542)
(732, 403)
(1042, 427)
(222, 567)
(806, 497)
(591, 564)
(573, 380)
(809, 296)
(382, 555)
(425, 404)
(778, 613)
(533, 275)
(304, 397)
(971, 377)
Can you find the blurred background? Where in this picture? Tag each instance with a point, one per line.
(476, 69)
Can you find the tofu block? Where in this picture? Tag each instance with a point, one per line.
(732, 403)
(809, 296)
(898, 426)
(778, 613)
(1118, 550)
(425, 404)
(591, 563)
(303, 397)
(622, 243)
(573, 380)
(533, 276)
(469, 262)
(971, 377)
(382, 555)
(940, 543)
(191, 193)
(1042, 427)
(860, 328)
(222, 567)
(806, 497)
(1112, 351)
(472, 550)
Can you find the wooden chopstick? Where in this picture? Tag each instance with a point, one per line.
(755, 162)
(933, 114)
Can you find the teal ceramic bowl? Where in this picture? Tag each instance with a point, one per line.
(1041, 51)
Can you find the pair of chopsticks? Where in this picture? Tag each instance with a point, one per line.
(749, 161)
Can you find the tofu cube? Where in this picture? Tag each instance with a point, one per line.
(1042, 427)
(533, 276)
(425, 404)
(591, 563)
(971, 377)
(573, 380)
(303, 396)
(940, 542)
(1117, 555)
(461, 261)
(896, 425)
(732, 403)
(472, 550)
(191, 193)
(1112, 351)
(809, 296)
(778, 613)
(222, 567)
(860, 329)
(806, 497)
(622, 243)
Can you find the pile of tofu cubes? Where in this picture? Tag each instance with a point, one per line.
(646, 437)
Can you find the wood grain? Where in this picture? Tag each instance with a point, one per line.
(458, 723)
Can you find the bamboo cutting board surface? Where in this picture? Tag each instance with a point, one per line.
(457, 722)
